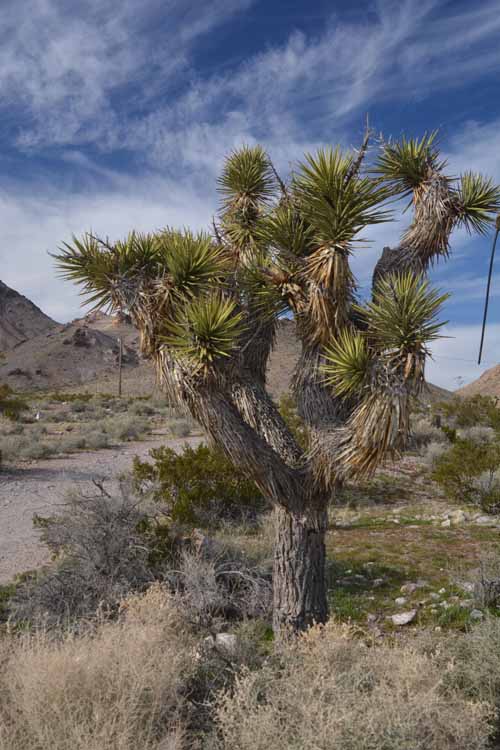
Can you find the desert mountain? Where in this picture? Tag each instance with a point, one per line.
(44, 355)
(488, 384)
(67, 356)
(20, 319)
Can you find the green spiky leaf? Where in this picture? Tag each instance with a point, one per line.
(192, 261)
(286, 232)
(337, 208)
(402, 317)
(247, 176)
(347, 363)
(407, 163)
(204, 331)
(478, 201)
(85, 262)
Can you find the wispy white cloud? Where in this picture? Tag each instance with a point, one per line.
(36, 222)
(65, 65)
(95, 73)
(88, 73)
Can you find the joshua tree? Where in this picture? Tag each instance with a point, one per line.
(207, 305)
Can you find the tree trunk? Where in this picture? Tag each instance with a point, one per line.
(299, 577)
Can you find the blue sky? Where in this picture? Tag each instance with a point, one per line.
(116, 114)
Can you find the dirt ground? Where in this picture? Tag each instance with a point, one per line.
(40, 486)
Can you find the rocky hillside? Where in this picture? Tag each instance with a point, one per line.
(43, 355)
(72, 355)
(20, 319)
(486, 385)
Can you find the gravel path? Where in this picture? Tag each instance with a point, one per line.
(41, 486)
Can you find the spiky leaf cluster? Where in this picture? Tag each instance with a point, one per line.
(405, 164)
(402, 316)
(336, 207)
(478, 198)
(347, 363)
(247, 185)
(204, 331)
(400, 321)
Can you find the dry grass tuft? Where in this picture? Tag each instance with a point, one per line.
(331, 691)
(117, 687)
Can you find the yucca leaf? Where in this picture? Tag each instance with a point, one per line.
(247, 174)
(285, 232)
(335, 208)
(347, 363)
(402, 317)
(204, 331)
(407, 163)
(192, 261)
(478, 199)
(84, 262)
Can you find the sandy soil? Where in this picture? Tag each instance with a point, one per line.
(39, 487)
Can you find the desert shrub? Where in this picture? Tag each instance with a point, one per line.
(69, 397)
(10, 405)
(79, 406)
(126, 428)
(424, 432)
(121, 686)
(471, 662)
(71, 443)
(467, 472)
(141, 409)
(288, 410)
(431, 452)
(485, 580)
(215, 586)
(60, 415)
(328, 690)
(467, 412)
(104, 545)
(199, 485)
(24, 447)
(11, 428)
(477, 434)
(95, 440)
(180, 428)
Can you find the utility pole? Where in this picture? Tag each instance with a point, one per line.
(120, 357)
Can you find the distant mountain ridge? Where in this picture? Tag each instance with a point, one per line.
(487, 384)
(83, 354)
(20, 319)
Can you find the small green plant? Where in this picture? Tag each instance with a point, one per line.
(468, 472)
(468, 412)
(11, 406)
(180, 428)
(199, 485)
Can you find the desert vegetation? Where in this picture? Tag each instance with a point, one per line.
(37, 426)
(207, 307)
(146, 630)
(185, 606)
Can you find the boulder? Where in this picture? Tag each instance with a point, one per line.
(404, 618)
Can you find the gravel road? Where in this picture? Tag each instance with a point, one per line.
(41, 486)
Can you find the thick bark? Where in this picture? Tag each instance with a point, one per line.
(299, 577)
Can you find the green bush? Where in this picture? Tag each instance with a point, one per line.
(180, 428)
(126, 427)
(200, 485)
(467, 472)
(11, 406)
(467, 412)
